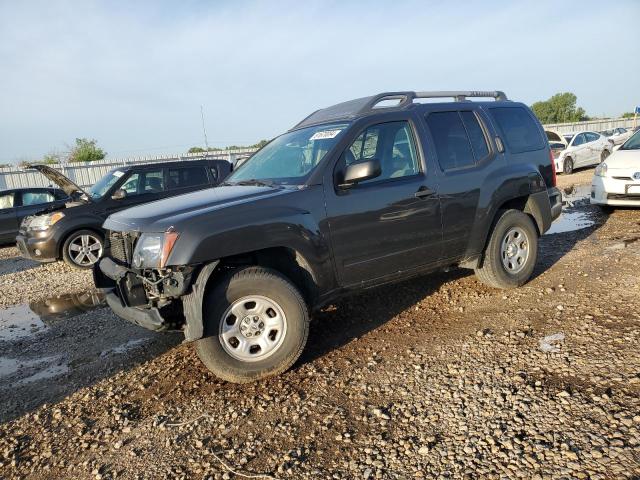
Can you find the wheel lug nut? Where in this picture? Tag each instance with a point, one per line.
(261, 324)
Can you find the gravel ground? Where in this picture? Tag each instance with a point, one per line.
(434, 377)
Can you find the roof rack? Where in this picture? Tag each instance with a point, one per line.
(359, 106)
(406, 98)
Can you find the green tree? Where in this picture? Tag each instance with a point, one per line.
(86, 150)
(196, 150)
(628, 115)
(561, 108)
(51, 158)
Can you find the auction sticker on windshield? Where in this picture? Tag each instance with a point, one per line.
(325, 134)
(118, 173)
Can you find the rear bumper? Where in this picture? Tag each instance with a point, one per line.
(555, 200)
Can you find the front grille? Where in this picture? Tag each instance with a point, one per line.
(121, 246)
(622, 196)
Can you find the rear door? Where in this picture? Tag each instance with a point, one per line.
(185, 179)
(595, 146)
(463, 154)
(8, 219)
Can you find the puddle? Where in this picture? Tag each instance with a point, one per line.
(570, 221)
(53, 366)
(67, 306)
(576, 194)
(49, 372)
(19, 322)
(124, 348)
(28, 320)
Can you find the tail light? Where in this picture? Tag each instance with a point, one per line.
(553, 168)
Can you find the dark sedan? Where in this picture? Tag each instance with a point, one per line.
(19, 203)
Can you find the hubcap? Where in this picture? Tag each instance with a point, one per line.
(85, 250)
(515, 250)
(252, 328)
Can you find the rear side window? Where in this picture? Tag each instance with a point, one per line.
(518, 128)
(184, 177)
(450, 140)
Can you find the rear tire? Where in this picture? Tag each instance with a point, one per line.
(511, 252)
(82, 249)
(256, 325)
(567, 167)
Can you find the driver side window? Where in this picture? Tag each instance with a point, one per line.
(391, 144)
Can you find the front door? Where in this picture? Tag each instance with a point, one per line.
(8, 218)
(140, 187)
(388, 224)
(581, 153)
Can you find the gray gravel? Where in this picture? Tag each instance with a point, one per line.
(438, 377)
(23, 280)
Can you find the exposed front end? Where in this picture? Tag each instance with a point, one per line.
(147, 294)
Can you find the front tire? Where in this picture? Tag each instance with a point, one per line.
(82, 249)
(567, 167)
(511, 253)
(256, 325)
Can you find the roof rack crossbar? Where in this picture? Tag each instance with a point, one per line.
(461, 95)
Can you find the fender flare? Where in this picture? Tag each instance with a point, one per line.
(192, 303)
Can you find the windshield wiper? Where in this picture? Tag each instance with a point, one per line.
(252, 181)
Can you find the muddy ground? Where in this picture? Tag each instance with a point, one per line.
(439, 376)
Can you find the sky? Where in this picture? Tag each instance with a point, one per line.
(133, 75)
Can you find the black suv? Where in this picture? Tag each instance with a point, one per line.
(356, 195)
(73, 231)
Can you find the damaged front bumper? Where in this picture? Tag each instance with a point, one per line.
(173, 302)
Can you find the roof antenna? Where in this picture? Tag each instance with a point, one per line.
(204, 131)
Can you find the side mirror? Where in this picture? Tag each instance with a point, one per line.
(119, 194)
(361, 171)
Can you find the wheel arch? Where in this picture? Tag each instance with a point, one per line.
(287, 261)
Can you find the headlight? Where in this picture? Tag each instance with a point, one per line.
(153, 249)
(601, 170)
(41, 223)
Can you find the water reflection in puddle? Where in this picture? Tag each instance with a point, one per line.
(570, 221)
(27, 320)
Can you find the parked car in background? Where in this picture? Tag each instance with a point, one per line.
(616, 182)
(19, 203)
(583, 150)
(364, 193)
(617, 136)
(73, 231)
(557, 142)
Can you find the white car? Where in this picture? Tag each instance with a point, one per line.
(616, 182)
(583, 149)
(618, 135)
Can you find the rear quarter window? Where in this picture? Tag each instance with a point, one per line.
(519, 130)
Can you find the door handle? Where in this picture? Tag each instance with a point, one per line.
(424, 192)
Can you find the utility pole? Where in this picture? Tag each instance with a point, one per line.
(204, 130)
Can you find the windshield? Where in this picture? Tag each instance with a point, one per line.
(633, 143)
(103, 185)
(289, 158)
